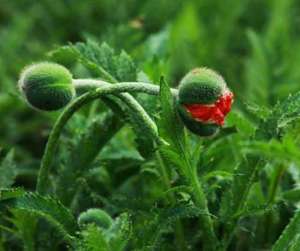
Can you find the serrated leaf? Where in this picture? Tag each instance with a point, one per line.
(171, 127)
(120, 232)
(90, 143)
(103, 62)
(273, 126)
(93, 239)
(289, 234)
(11, 193)
(285, 150)
(172, 158)
(100, 60)
(26, 225)
(125, 68)
(51, 210)
(7, 170)
(283, 114)
(243, 178)
(159, 221)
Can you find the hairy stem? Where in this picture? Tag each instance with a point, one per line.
(102, 89)
(87, 84)
(167, 183)
(106, 89)
(210, 241)
(199, 195)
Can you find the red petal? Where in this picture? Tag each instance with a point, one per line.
(212, 113)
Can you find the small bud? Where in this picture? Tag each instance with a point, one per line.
(95, 216)
(47, 86)
(203, 101)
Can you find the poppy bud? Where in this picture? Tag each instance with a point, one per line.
(95, 216)
(47, 86)
(203, 101)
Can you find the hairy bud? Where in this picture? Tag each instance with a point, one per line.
(203, 101)
(47, 86)
(95, 216)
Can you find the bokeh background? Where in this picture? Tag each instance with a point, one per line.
(254, 44)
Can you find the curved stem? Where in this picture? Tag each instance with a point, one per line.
(43, 176)
(88, 84)
(200, 200)
(142, 86)
(102, 89)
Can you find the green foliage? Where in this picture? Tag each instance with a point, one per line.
(93, 240)
(50, 209)
(103, 62)
(164, 188)
(115, 238)
(10, 193)
(289, 235)
(7, 170)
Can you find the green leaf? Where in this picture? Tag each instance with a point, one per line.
(282, 151)
(295, 246)
(172, 158)
(171, 128)
(289, 234)
(51, 210)
(11, 193)
(292, 195)
(284, 114)
(93, 239)
(243, 177)
(273, 126)
(26, 225)
(125, 68)
(258, 71)
(120, 232)
(7, 170)
(161, 221)
(92, 140)
(102, 61)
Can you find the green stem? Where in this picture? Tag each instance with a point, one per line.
(230, 228)
(209, 238)
(271, 198)
(107, 89)
(102, 89)
(87, 84)
(211, 241)
(275, 183)
(166, 180)
(199, 195)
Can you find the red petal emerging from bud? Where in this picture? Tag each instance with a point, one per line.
(214, 113)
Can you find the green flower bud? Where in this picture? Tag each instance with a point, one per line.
(201, 86)
(95, 216)
(47, 86)
(203, 101)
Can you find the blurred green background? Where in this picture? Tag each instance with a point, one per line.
(254, 44)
